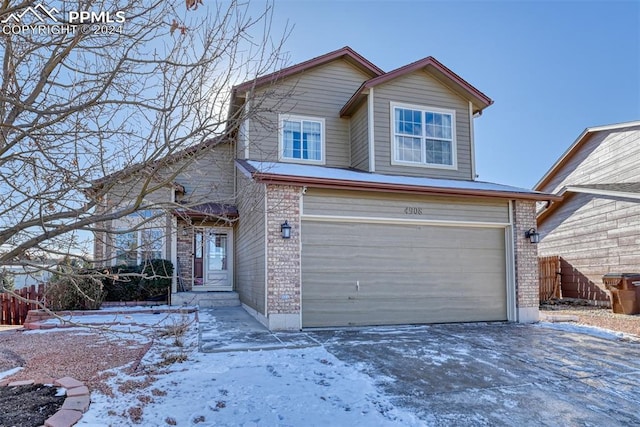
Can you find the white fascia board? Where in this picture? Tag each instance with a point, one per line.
(600, 192)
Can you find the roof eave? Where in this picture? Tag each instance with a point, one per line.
(346, 52)
(429, 64)
(397, 188)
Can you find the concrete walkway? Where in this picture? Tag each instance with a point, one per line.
(233, 329)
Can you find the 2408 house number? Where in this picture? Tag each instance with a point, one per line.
(413, 211)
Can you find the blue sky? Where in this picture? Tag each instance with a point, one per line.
(552, 68)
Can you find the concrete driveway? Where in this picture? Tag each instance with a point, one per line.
(470, 374)
(498, 374)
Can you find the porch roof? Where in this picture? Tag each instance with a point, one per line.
(208, 210)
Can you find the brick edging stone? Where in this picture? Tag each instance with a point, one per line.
(36, 318)
(76, 403)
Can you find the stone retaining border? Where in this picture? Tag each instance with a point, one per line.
(76, 403)
(36, 318)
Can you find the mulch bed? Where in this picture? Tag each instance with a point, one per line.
(28, 405)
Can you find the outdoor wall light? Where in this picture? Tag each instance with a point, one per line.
(285, 229)
(533, 235)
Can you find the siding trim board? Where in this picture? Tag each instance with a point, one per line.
(391, 220)
(372, 143)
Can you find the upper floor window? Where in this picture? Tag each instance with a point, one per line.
(301, 139)
(423, 136)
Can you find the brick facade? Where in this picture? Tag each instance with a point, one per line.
(283, 255)
(184, 251)
(526, 258)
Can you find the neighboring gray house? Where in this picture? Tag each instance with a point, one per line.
(595, 228)
(375, 174)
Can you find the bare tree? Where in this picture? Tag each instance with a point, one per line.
(83, 100)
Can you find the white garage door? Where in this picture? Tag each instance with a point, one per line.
(381, 274)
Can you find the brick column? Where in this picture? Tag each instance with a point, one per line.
(184, 251)
(526, 262)
(283, 258)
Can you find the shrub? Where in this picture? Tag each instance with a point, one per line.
(150, 280)
(75, 292)
(156, 279)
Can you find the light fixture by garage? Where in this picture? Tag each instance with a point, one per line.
(532, 235)
(285, 229)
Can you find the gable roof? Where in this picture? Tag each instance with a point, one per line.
(152, 166)
(328, 177)
(346, 53)
(575, 147)
(433, 66)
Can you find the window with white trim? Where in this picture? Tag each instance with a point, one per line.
(423, 136)
(139, 237)
(301, 139)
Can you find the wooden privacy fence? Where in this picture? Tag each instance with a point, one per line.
(550, 277)
(13, 310)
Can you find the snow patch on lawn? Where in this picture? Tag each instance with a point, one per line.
(10, 372)
(177, 385)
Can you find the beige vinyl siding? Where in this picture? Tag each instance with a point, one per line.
(208, 176)
(421, 89)
(250, 244)
(376, 205)
(595, 235)
(379, 274)
(607, 157)
(319, 92)
(360, 138)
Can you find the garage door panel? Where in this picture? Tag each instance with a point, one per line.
(397, 312)
(406, 274)
(354, 259)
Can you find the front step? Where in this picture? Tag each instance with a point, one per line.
(206, 299)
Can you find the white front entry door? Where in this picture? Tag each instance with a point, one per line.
(217, 251)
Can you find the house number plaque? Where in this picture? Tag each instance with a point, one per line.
(412, 211)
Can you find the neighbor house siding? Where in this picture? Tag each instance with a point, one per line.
(404, 207)
(607, 157)
(360, 138)
(420, 89)
(319, 92)
(594, 235)
(250, 244)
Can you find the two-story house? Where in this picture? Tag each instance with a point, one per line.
(350, 199)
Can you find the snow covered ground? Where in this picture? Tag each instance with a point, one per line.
(306, 385)
(284, 387)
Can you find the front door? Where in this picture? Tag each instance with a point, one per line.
(213, 270)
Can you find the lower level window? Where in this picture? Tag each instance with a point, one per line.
(138, 246)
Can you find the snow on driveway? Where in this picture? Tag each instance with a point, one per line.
(284, 387)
